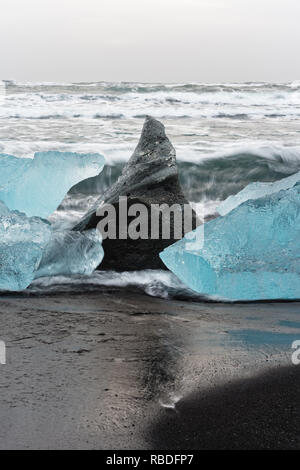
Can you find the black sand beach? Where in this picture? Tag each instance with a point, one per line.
(120, 369)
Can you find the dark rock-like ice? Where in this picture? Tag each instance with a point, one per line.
(150, 177)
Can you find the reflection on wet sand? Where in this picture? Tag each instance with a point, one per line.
(99, 370)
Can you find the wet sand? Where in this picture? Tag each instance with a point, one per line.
(117, 369)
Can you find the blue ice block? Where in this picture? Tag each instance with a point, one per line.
(22, 241)
(37, 186)
(251, 253)
(71, 253)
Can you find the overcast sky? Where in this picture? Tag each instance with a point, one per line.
(150, 40)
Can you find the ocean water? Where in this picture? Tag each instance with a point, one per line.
(225, 135)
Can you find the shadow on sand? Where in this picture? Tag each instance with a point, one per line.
(257, 413)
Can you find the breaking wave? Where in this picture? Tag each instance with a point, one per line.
(134, 100)
(156, 283)
(216, 176)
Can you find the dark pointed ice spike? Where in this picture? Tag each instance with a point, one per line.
(153, 162)
(153, 142)
(149, 177)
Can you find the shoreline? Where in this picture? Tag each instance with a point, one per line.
(171, 293)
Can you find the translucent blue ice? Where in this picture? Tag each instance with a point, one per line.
(256, 190)
(28, 246)
(70, 253)
(251, 253)
(22, 241)
(37, 186)
(30, 249)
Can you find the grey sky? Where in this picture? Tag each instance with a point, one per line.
(150, 40)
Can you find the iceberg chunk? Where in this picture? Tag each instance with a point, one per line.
(69, 253)
(251, 253)
(30, 249)
(37, 186)
(255, 191)
(22, 241)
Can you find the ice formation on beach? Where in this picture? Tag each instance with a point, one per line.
(70, 253)
(22, 241)
(29, 247)
(255, 191)
(37, 186)
(251, 253)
